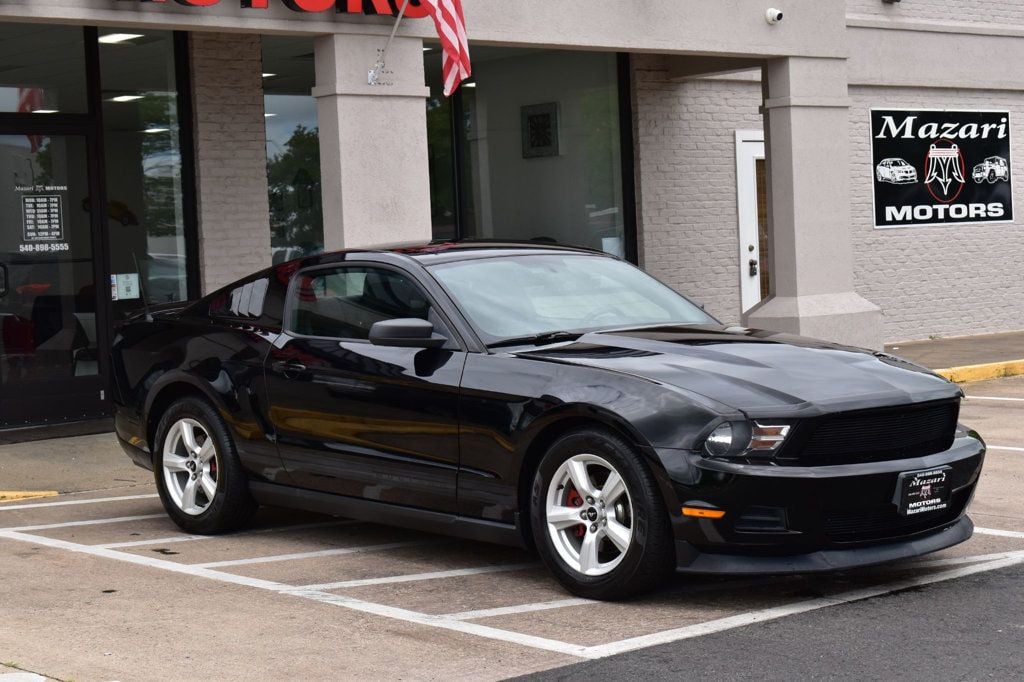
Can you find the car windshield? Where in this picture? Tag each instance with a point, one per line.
(529, 295)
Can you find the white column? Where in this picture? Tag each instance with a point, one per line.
(373, 142)
(806, 112)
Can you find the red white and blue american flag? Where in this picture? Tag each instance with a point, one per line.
(451, 29)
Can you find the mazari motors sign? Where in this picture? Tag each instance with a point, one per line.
(941, 167)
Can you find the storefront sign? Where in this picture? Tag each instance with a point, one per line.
(42, 218)
(941, 167)
(414, 10)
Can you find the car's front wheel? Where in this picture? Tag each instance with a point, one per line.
(598, 518)
(201, 482)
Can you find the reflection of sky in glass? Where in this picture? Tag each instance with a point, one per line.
(292, 111)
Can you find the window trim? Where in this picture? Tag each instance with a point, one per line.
(455, 338)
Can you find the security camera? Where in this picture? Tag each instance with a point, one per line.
(773, 16)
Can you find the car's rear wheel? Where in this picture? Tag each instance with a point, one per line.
(598, 518)
(201, 482)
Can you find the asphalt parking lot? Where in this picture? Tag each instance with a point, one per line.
(101, 585)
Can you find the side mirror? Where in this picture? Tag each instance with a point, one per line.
(408, 332)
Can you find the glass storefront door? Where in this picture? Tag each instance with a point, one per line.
(52, 327)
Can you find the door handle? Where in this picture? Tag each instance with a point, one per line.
(753, 267)
(289, 368)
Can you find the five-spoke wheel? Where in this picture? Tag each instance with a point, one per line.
(190, 466)
(598, 517)
(589, 514)
(201, 481)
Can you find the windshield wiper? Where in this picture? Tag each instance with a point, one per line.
(537, 339)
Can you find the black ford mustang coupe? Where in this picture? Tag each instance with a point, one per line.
(544, 397)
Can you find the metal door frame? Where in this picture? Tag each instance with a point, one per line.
(89, 126)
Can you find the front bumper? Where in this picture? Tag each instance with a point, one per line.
(797, 519)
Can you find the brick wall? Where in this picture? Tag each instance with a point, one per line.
(947, 281)
(231, 159)
(686, 173)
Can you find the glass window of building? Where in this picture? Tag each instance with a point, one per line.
(44, 69)
(293, 148)
(142, 155)
(539, 153)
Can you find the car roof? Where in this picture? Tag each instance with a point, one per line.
(431, 253)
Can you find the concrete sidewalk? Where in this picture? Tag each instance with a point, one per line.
(967, 358)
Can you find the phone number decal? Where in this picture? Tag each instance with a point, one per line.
(44, 248)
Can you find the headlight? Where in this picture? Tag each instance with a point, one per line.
(737, 439)
(719, 443)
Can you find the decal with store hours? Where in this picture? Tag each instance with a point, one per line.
(941, 167)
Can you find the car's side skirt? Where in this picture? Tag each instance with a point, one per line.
(390, 514)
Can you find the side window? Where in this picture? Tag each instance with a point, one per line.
(345, 302)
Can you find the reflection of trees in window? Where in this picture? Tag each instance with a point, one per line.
(293, 175)
(439, 145)
(161, 164)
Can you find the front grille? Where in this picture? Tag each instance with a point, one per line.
(872, 435)
(883, 523)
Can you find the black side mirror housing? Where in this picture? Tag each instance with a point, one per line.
(406, 332)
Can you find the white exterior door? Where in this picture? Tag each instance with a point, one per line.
(750, 151)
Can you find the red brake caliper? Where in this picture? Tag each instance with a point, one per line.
(575, 500)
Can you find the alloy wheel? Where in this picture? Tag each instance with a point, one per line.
(190, 466)
(589, 515)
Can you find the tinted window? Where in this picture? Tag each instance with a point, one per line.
(346, 302)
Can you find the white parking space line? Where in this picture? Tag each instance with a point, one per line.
(64, 503)
(90, 522)
(258, 531)
(414, 577)
(974, 559)
(156, 541)
(774, 613)
(1004, 447)
(520, 608)
(310, 555)
(449, 622)
(986, 397)
(314, 595)
(1000, 532)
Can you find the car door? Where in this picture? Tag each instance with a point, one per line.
(357, 419)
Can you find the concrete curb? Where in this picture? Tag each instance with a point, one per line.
(988, 370)
(18, 495)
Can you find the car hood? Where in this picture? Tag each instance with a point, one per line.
(759, 372)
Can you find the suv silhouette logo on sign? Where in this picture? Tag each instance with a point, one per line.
(940, 167)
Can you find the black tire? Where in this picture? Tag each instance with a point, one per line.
(232, 505)
(650, 556)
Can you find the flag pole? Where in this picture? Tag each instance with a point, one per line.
(373, 75)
